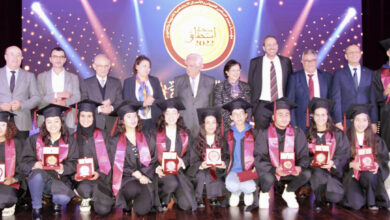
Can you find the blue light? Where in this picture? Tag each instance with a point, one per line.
(351, 12)
(71, 53)
(140, 31)
(256, 33)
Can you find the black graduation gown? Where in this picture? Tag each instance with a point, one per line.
(330, 182)
(8, 194)
(61, 184)
(384, 109)
(354, 196)
(132, 163)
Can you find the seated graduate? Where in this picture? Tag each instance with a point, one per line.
(133, 161)
(367, 168)
(10, 158)
(95, 183)
(330, 148)
(208, 173)
(276, 148)
(172, 137)
(49, 160)
(239, 154)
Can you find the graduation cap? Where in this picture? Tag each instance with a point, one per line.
(318, 103)
(212, 111)
(171, 103)
(124, 108)
(52, 110)
(238, 103)
(282, 103)
(6, 116)
(84, 105)
(385, 44)
(356, 109)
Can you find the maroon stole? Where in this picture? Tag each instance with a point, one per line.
(101, 152)
(273, 144)
(212, 169)
(385, 78)
(63, 149)
(10, 160)
(330, 141)
(119, 160)
(162, 145)
(249, 147)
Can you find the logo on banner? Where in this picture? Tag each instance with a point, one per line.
(202, 27)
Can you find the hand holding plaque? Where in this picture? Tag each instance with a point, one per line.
(213, 156)
(51, 158)
(170, 163)
(2, 172)
(287, 162)
(321, 155)
(366, 159)
(85, 168)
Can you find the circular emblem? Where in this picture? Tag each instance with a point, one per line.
(202, 27)
(287, 164)
(367, 161)
(51, 160)
(214, 155)
(320, 158)
(84, 170)
(171, 166)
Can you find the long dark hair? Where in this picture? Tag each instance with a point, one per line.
(121, 128)
(181, 127)
(46, 135)
(11, 131)
(201, 141)
(312, 131)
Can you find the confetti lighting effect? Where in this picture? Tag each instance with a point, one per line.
(256, 32)
(140, 30)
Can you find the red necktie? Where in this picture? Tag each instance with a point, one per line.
(274, 83)
(311, 85)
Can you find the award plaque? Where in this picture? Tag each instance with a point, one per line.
(170, 163)
(213, 156)
(287, 162)
(85, 168)
(51, 158)
(366, 159)
(321, 155)
(2, 172)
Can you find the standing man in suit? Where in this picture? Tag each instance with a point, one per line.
(267, 78)
(305, 84)
(352, 85)
(58, 86)
(18, 91)
(103, 89)
(195, 90)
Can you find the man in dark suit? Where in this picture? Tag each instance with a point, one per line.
(18, 91)
(304, 85)
(195, 90)
(103, 89)
(352, 85)
(267, 78)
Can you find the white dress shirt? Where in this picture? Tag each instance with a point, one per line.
(9, 75)
(266, 78)
(360, 138)
(316, 83)
(195, 90)
(57, 82)
(171, 134)
(358, 71)
(100, 80)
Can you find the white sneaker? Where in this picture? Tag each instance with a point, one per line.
(85, 206)
(290, 199)
(248, 199)
(234, 199)
(264, 200)
(9, 211)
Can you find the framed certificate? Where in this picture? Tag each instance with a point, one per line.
(321, 155)
(51, 158)
(287, 161)
(85, 168)
(366, 159)
(170, 163)
(213, 156)
(2, 172)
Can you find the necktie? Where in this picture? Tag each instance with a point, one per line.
(274, 83)
(311, 86)
(12, 83)
(102, 82)
(193, 85)
(355, 78)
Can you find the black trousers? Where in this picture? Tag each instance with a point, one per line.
(138, 195)
(322, 181)
(268, 179)
(262, 115)
(8, 195)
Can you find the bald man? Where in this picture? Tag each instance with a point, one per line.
(103, 89)
(18, 91)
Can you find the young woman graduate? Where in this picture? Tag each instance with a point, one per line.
(173, 136)
(53, 134)
(10, 157)
(327, 178)
(365, 187)
(133, 161)
(204, 175)
(92, 143)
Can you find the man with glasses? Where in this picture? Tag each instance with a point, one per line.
(58, 86)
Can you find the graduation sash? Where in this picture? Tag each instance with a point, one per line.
(249, 147)
(330, 141)
(162, 145)
(63, 149)
(10, 160)
(101, 152)
(385, 78)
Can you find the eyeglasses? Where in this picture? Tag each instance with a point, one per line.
(310, 61)
(59, 57)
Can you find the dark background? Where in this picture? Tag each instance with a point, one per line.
(376, 27)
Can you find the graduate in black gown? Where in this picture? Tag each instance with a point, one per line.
(57, 183)
(173, 136)
(206, 176)
(281, 137)
(365, 188)
(92, 143)
(133, 160)
(10, 157)
(327, 178)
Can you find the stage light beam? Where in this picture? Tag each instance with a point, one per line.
(140, 30)
(256, 33)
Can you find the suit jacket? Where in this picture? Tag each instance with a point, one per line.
(25, 92)
(90, 89)
(204, 98)
(255, 76)
(129, 93)
(298, 92)
(343, 92)
(71, 85)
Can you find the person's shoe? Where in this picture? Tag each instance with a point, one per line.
(317, 206)
(200, 203)
(8, 211)
(304, 192)
(328, 204)
(164, 207)
(263, 200)
(37, 214)
(290, 199)
(373, 208)
(214, 202)
(234, 199)
(57, 208)
(126, 211)
(85, 205)
(248, 199)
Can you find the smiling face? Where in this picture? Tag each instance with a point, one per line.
(320, 117)
(353, 55)
(234, 73)
(131, 120)
(171, 116)
(143, 69)
(193, 66)
(53, 125)
(282, 119)
(13, 57)
(57, 58)
(238, 116)
(361, 122)
(210, 125)
(309, 63)
(86, 119)
(270, 47)
(102, 66)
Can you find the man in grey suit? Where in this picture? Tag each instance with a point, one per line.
(58, 86)
(18, 91)
(103, 89)
(195, 90)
